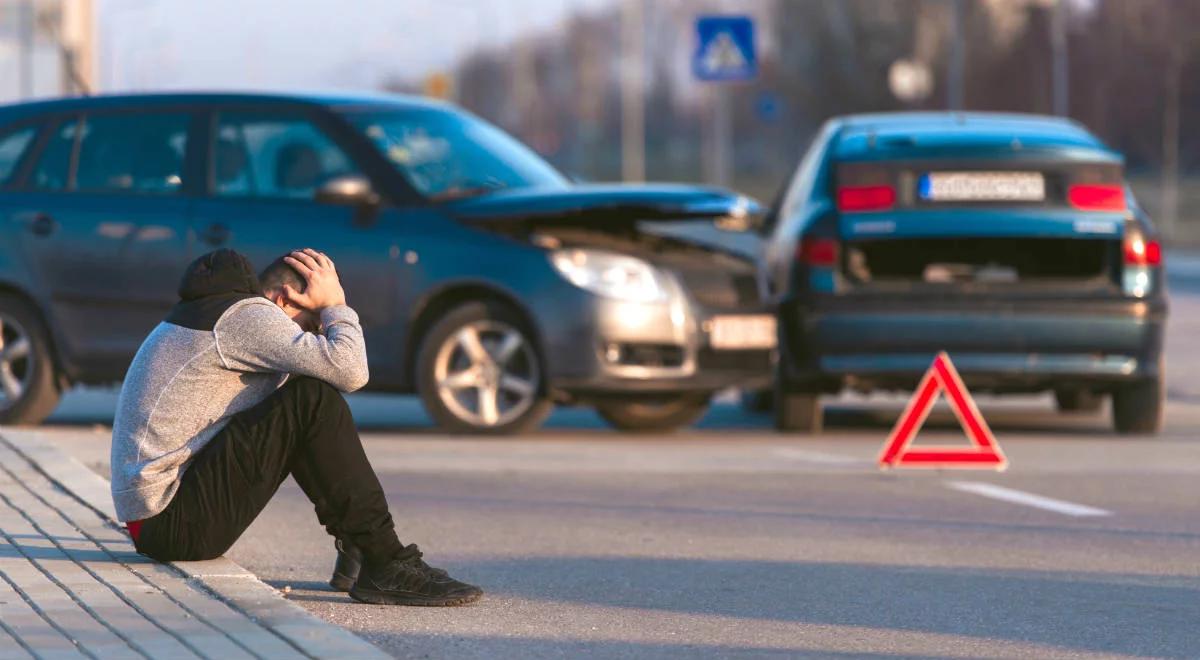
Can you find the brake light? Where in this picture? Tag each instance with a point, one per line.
(1097, 197)
(1142, 252)
(822, 252)
(865, 198)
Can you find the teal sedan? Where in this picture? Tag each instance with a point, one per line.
(1012, 242)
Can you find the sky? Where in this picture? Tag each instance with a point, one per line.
(304, 44)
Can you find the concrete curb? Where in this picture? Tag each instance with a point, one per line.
(224, 579)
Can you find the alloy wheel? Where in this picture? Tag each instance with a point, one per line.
(16, 361)
(486, 373)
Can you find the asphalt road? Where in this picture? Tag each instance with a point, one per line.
(731, 540)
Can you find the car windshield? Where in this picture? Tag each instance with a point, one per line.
(446, 155)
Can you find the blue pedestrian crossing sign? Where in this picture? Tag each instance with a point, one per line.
(725, 48)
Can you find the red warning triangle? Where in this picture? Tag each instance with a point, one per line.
(942, 377)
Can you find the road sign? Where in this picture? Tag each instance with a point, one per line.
(941, 377)
(767, 107)
(725, 48)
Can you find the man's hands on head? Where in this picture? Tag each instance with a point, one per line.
(324, 289)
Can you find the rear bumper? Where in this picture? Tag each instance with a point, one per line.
(995, 344)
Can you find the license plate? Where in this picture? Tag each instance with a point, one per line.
(733, 332)
(982, 187)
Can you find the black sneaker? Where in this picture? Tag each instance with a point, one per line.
(407, 580)
(346, 567)
(349, 562)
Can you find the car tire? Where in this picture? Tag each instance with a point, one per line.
(654, 414)
(797, 410)
(26, 365)
(1139, 408)
(457, 375)
(1078, 401)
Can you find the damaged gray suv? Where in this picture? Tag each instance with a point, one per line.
(485, 280)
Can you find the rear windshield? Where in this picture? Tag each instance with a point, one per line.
(939, 136)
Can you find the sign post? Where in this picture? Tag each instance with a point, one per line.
(725, 52)
(633, 92)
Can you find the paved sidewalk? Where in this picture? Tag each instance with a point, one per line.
(71, 584)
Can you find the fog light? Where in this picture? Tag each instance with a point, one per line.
(612, 353)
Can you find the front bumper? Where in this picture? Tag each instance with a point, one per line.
(613, 347)
(999, 345)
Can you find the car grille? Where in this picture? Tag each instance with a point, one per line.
(645, 355)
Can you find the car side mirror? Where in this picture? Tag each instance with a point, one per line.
(348, 190)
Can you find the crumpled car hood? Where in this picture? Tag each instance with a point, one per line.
(597, 204)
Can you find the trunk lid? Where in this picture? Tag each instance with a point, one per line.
(981, 223)
(1007, 220)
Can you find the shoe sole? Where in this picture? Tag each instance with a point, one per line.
(344, 583)
(413, 599)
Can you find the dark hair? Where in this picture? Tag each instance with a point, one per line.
(273, 277)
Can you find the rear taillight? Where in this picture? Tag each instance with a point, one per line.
(865, 198)
(1142, 257)
(821, 252)
(1096, 197)
(1142, 251)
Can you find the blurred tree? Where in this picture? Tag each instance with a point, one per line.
(1130, 67)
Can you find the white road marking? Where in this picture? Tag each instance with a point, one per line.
(1028, 499)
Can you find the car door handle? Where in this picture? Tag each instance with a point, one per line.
(215, 234)
(42, 225)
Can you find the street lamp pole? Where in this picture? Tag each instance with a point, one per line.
(1058, 42)
(958, 52)
(25, 31)
(633, 91)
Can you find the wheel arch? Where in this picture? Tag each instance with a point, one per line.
(65, 372)
(438, 303)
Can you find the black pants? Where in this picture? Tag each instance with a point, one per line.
(304, 429)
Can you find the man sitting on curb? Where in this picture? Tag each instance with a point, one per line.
(238, 388)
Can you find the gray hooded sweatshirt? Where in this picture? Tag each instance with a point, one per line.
(223, 349)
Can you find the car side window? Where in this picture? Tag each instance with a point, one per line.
(273, 157)
(140, 153)
(12, 148)
(53, 170)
